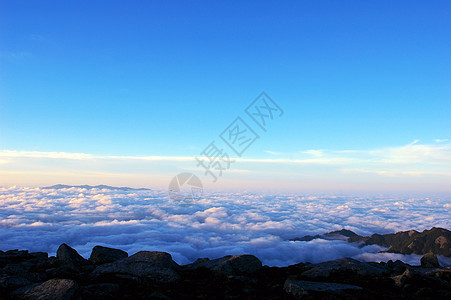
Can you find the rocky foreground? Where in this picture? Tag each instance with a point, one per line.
(112, 274)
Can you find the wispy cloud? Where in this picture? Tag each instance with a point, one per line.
(396, 173)
(316, 153)
(84, 156)
(272, 152)
(409, 161)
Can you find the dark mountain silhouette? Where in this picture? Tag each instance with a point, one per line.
(63, 186)
(334, 235)
(435, 240)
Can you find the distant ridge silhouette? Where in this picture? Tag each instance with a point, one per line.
(436, 240)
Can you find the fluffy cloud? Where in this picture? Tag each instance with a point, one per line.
(220, 224)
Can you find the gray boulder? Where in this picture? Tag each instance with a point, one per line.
(53, 289)
(102, 255)
(152, 265)
(346, 264)
(229, 265)
(70, 257)
(429, 260)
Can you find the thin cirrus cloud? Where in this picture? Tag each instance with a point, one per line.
(417, 165)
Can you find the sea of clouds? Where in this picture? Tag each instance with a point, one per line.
(219, 224)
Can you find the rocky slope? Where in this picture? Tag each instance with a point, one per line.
(112, 274)
(435, 240)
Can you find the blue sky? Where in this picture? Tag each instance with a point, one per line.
(165, 78)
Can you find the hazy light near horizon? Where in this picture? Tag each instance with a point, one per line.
(415, 166)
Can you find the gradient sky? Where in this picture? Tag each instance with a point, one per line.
(127, 93)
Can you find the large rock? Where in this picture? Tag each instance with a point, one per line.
(152, 265)
(13, 256)
(70, 257)
(25, 270)
(299, 288)
(345, 265)
(229, 265)
(430, 261)
(53, 289)
(102, 255)
(397, 267)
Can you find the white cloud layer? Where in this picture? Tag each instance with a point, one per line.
(217, 225)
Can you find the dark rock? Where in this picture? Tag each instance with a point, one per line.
(152, 265)
(65, 271)
(69, 256)
(229, 265)
(156, 258)
(23, 269)
(13, 282)
(13, 256)
(396, 263)
(200, 260)
(18, 293)
(16, 253)
(430, 261)
(397, 267)
(53, 289)
(39, 255)
(412, 281)
(102, 255)
(299, 288)
(345, 265)
(441, 274)
(408, 274)
(88, 268)
(99, 291)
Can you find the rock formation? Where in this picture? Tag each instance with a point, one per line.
(111, 274)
